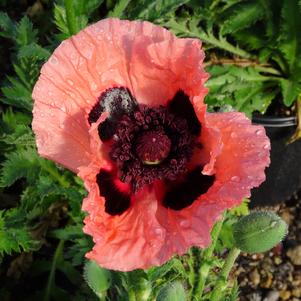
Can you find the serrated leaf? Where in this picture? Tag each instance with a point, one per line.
(7, 26)
(14, 238)
(25, 34)
(33, 50)
(151, 10)
(290, 39)
(245, 15)
(19, 164)
(119, 8)
(97, 278)
(290, 90)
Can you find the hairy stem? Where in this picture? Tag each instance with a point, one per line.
(221, 284)
(57, 255)
(207, 256)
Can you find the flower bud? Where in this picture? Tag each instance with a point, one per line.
(259, 232)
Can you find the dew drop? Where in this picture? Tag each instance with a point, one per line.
(158, 231)
(70, 82)
(54, 61)
(258, 132)
(233, 135)
(184, 223)
(266, 146)
(235, 178)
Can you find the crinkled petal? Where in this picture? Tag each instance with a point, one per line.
(147, 59)
(241, 163)
(149, 234)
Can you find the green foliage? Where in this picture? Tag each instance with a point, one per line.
(72, 16)
(97, 278)
(13, 236)
(172, 292)
(253, 59)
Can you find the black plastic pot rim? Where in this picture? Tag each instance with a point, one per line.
(277, 122)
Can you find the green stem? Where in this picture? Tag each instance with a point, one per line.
(57, 255)
(221, 283)
(70, 16)
(206, 258)
(131, 295)
(297, 134)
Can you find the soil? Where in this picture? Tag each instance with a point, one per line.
(275, 275)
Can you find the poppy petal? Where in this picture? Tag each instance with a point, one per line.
(147, 59)
(242, 160)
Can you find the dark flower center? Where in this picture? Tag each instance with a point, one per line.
(149, 144)
(152, 147)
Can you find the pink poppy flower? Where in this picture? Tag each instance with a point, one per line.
(121, 104)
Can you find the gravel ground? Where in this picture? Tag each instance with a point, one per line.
(275, 275)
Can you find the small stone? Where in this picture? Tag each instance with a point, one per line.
(285, 295)
(255, 277)
(296, 292)
(267, 283)
(272, 296)
(287, 216)
(277, 260)
(294, 255)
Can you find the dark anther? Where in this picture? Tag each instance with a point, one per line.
(116, 202)
(181, 106)
(115, 101)
(183, 194)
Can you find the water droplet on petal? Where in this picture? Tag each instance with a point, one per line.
(235, 178)
(70, 82)
(184, 223)
(258, 132)
(266, 146)
(54, 61)
(233, 135)
(158, 231)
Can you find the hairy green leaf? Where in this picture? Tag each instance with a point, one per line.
(245, 15)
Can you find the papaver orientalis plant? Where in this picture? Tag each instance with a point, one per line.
(122, 105)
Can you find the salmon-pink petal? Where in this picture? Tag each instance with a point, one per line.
(122, 242)
(147, 59)
(242, 160)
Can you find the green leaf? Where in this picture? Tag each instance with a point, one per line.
(33, 50)
(245, 15)
(290, 91)
(151, 10)
(7, 26)
(14, 238)
(119, 8)
(19, 164)
(25, 34)
(290, 38)
(68, 233)
(98, 279)
(243, 88)
(172, 292)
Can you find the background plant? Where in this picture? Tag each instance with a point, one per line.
(254, 58)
